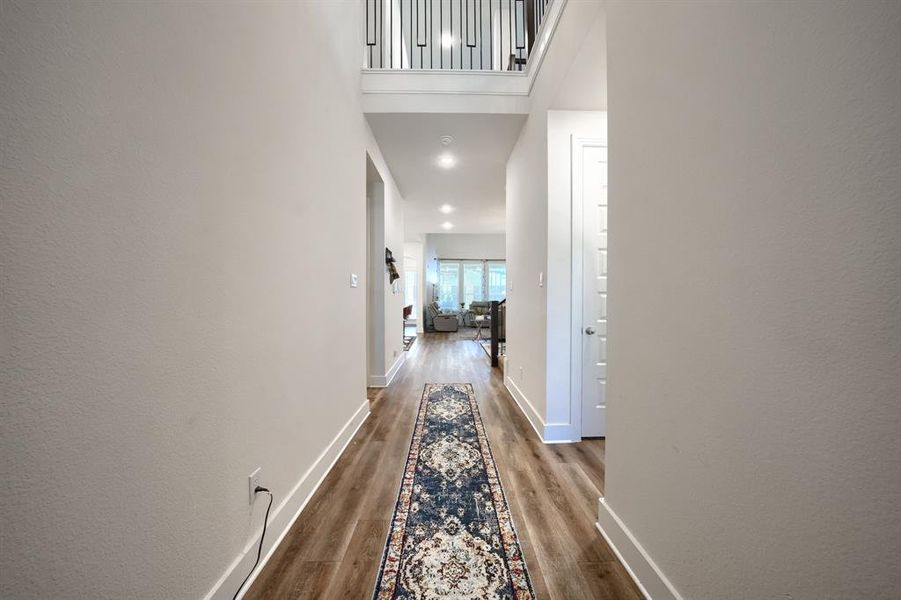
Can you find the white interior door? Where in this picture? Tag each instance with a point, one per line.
(593, 186)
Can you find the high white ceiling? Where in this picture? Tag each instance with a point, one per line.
(411, 145)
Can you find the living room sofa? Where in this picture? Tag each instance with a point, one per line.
(441, 320)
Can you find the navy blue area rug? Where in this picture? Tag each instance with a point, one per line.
(452, 534)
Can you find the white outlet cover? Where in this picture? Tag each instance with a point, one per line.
(354, 282)
(541, 279)
(253, 480)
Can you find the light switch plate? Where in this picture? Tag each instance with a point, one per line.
(353, 280)
(541, 279)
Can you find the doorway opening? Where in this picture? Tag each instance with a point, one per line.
(375, 275)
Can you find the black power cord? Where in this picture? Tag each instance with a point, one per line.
(259, 489)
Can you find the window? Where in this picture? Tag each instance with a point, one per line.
(449, 285)
(468, 281)
(497, 280)
(473, 282)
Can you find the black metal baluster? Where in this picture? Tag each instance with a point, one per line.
(469, 45)
(450, 51)
(510, 15)
(431, 35)
(481, 38)
(500, 39)
(490, 36)
(519, 47)
(422, 45)
(367, 34)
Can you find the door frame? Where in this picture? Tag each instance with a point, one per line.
(577, 259)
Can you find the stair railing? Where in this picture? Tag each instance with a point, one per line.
(475, 35)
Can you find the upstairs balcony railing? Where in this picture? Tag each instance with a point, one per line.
(469, 35)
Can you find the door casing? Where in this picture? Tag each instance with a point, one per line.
(578, 144)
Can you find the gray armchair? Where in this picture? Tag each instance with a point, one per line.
(476, 308)
(441, 320)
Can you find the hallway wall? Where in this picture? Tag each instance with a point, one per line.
(755, 210)
(394, 293)
(183, 204)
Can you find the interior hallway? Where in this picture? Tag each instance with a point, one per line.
(334, 548)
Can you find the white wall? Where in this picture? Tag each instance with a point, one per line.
(394, 293)
(375, 280)
(173, 176)
(476, 246)
(571, 78)
(755, 277)
(524, 369)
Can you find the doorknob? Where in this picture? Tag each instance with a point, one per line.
(589, 331)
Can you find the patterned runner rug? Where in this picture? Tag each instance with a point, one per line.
(452, 534)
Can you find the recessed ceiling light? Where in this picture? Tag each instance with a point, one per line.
(447, 40)
(447, 208)
(447, 161)
(447, 225)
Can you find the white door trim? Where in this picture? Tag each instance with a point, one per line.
(578, 145)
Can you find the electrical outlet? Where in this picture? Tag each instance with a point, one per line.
(253, 481)
(520, 373)
(354, 281)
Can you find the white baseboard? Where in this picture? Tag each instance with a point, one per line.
(385, 380)
(647, 575)
(283, 516)
(549, 433)
(526, 407)
(559, 433)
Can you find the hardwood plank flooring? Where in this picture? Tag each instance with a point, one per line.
(334, 548)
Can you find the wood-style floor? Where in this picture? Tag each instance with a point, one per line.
(334, 548)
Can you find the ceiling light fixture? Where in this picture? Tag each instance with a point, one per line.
(447, 208)
(447, 225)
(446, 161)
(447, 40)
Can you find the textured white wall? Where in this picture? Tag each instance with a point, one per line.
(755, 277)
(183, 201)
